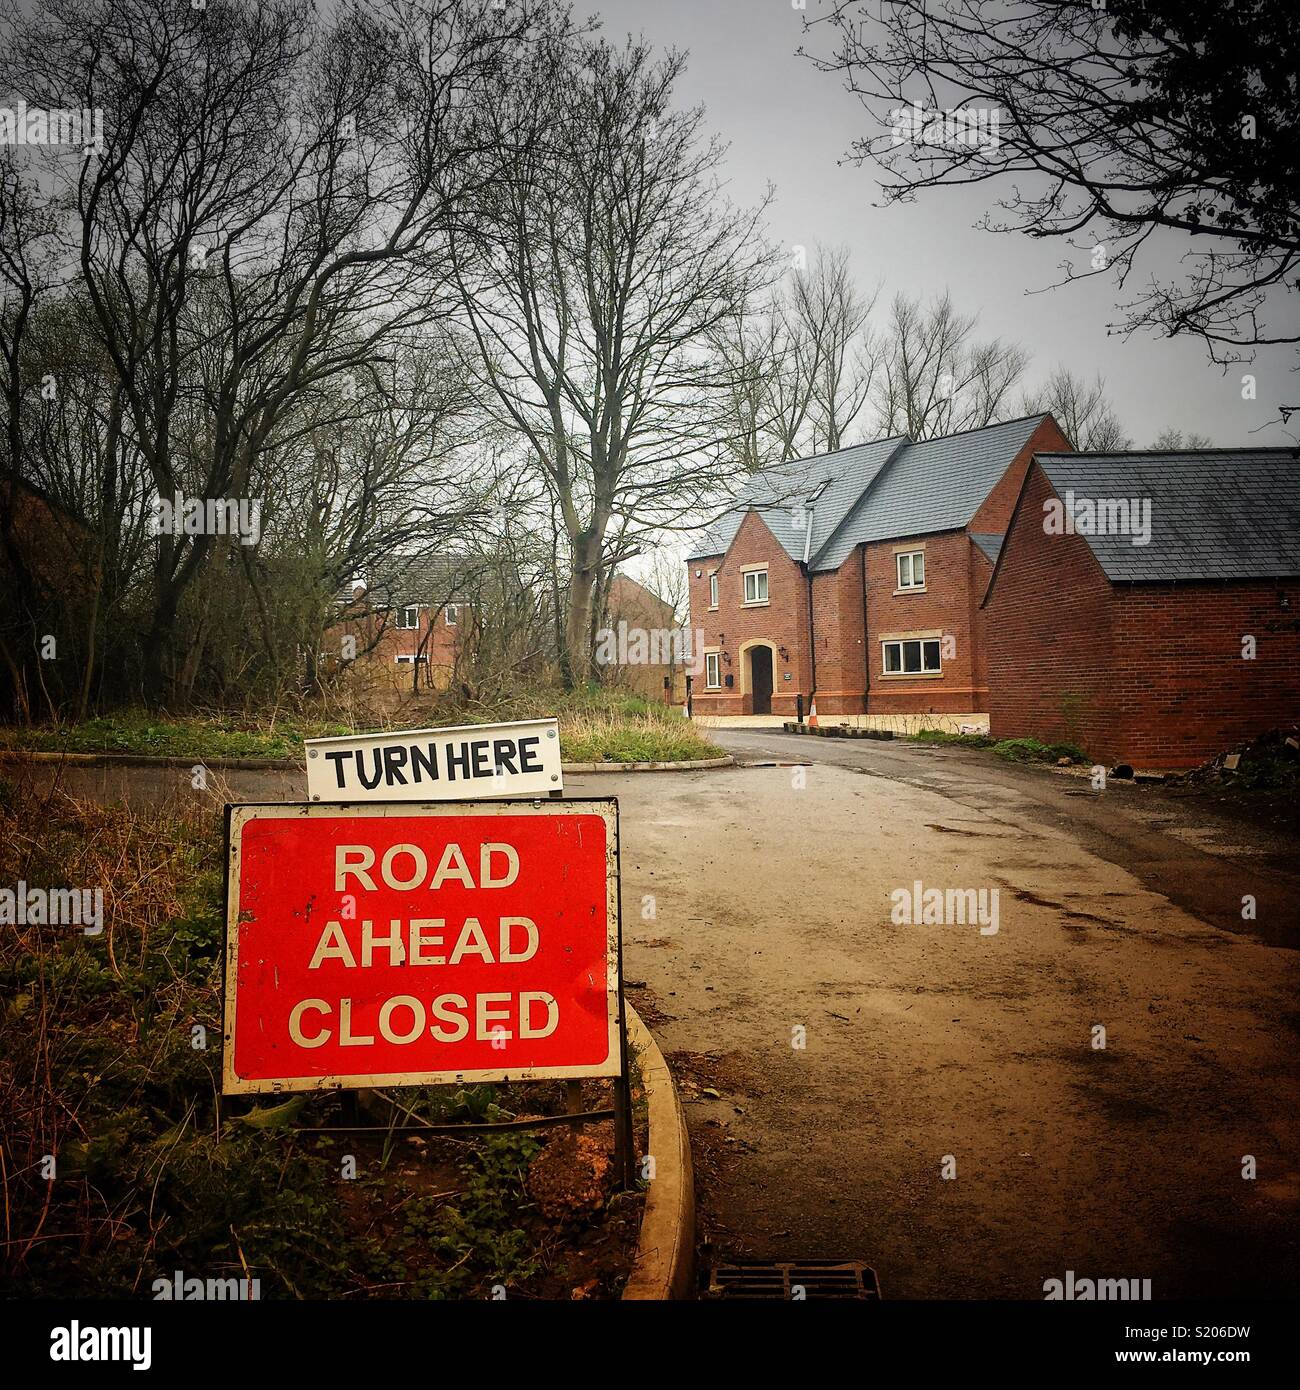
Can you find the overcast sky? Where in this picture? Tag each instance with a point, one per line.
(790, 125)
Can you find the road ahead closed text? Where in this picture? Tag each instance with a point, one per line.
(419, 947)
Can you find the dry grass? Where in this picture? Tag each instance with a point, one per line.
(597, 725)
(96, 1030)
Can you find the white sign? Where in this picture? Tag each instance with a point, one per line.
(471, 761)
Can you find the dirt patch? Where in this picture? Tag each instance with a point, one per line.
(644, 1001)
(723, 1072)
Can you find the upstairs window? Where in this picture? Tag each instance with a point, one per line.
(451, 614)
(408, 617)
(755, 586)
(917, 657)
(713, 589)
(911, 569)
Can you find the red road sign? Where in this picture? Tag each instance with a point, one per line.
(400, 944)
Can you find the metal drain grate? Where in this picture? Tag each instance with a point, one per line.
(789, 1279)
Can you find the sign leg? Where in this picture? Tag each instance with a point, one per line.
(624, 1141)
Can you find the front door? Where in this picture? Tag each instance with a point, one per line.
(760, 678)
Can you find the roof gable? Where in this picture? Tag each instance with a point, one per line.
(789, 496)
(936, 485)
(888, 488)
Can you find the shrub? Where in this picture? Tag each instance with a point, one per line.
(1032, 750)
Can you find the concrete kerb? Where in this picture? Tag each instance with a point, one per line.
(665, 1258)
(689, 765)
(837, 731)
(18, 755)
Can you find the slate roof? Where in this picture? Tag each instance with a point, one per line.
(937, 485)
(408, 579)
(886, 489)
(824, 486)
(989, 543)
(1214, 514)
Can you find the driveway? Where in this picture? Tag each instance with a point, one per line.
(857, 1059)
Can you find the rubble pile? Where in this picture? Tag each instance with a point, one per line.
(1269, 761)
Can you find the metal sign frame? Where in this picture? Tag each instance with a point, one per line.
(239, 815)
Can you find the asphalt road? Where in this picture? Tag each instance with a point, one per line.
(856, 1059)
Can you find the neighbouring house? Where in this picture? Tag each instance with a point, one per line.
(56, 549)
(641, 645)
(1146, 606)
(856, 577)
(412, 616)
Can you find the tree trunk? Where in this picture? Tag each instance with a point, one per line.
(160, 647)
(583, 571)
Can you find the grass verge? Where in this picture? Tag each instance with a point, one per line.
(1015, 750)
(595, 726)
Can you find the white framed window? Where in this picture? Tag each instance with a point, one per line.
(408, 617)
(410, 660)
(755, 586)
(712, 671)
(713, 589)
(451, 614)
(912, 656)
(911, 569)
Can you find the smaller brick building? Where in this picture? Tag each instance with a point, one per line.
(1146, 606)
(406, 623)
(644, 642)
(856, 577)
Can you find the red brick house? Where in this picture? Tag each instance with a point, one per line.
(411, 617)
(1146, 606)
(857, 576)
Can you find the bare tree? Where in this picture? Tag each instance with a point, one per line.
(934, 377)
(27, 273)
(265, 216)
(1081, 409)
(1114, 122)
(1174, 441)
(607, 259)
(800, 367)
(668, 579)
(831, 316)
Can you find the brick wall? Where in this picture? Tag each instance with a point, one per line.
(1048, 635)
(440, 648)
(981, 571)
(644, 612)
(837, 622)
(994, 514)
(945, 609)
(1148, 674)
(783, 621)
(1185, 690)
